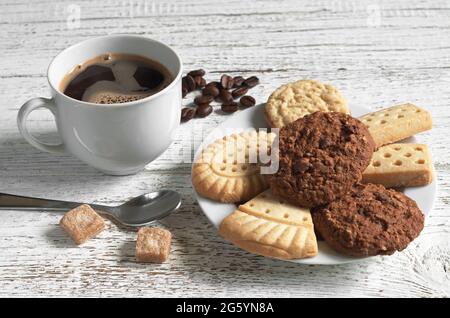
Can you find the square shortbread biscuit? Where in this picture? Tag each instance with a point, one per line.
(153, 245)
(82, 223)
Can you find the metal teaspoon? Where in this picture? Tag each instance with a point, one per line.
(136, 212)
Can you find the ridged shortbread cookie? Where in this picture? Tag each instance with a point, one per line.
(400, 165)
(396, 123)
(271, 227)
(228, 170)
(295, 100)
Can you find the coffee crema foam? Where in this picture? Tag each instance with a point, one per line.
(115, 78)
(115, 99)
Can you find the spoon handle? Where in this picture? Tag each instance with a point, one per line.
(16, 202)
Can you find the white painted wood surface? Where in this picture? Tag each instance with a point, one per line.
(377, 52)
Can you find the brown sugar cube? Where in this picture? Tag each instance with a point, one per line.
(153, 245)
(82, 223)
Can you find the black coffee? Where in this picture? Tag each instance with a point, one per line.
(115, 78)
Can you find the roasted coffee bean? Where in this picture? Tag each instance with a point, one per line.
(226, 81)
(211, 90)
(187, 114)
(247, 101)
(225, 96)
(251, 82)
(203, 99)
(202, 83)
(204, 110)
(199, 82)
(199, 72)
(238, 92)
(215, 84)
(230, 107)
(184, 92)
(237, 81)
(188, 82)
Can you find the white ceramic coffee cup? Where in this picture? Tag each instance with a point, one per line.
(118, 139)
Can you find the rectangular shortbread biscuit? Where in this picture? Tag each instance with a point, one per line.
(396, 123)
(400, 165)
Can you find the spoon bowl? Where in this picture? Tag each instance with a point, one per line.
(148, 207)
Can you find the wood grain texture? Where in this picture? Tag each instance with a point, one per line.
(377, 53)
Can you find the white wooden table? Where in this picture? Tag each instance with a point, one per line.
(377, 53)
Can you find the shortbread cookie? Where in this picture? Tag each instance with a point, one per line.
(82, 223)
(321, 156)
(295, 100)
(270, 227)
(400, 165)
(396, 123)
(228, 170)
(369, 220)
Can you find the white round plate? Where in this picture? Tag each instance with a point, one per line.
(254, 118)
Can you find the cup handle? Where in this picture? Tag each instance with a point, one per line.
(22, 117)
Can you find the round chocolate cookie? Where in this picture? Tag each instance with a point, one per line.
(369, 220)
(321, 156)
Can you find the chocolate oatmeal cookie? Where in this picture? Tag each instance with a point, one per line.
(321, 156)
(369, 220)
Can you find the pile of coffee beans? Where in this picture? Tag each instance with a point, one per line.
(226, 91)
